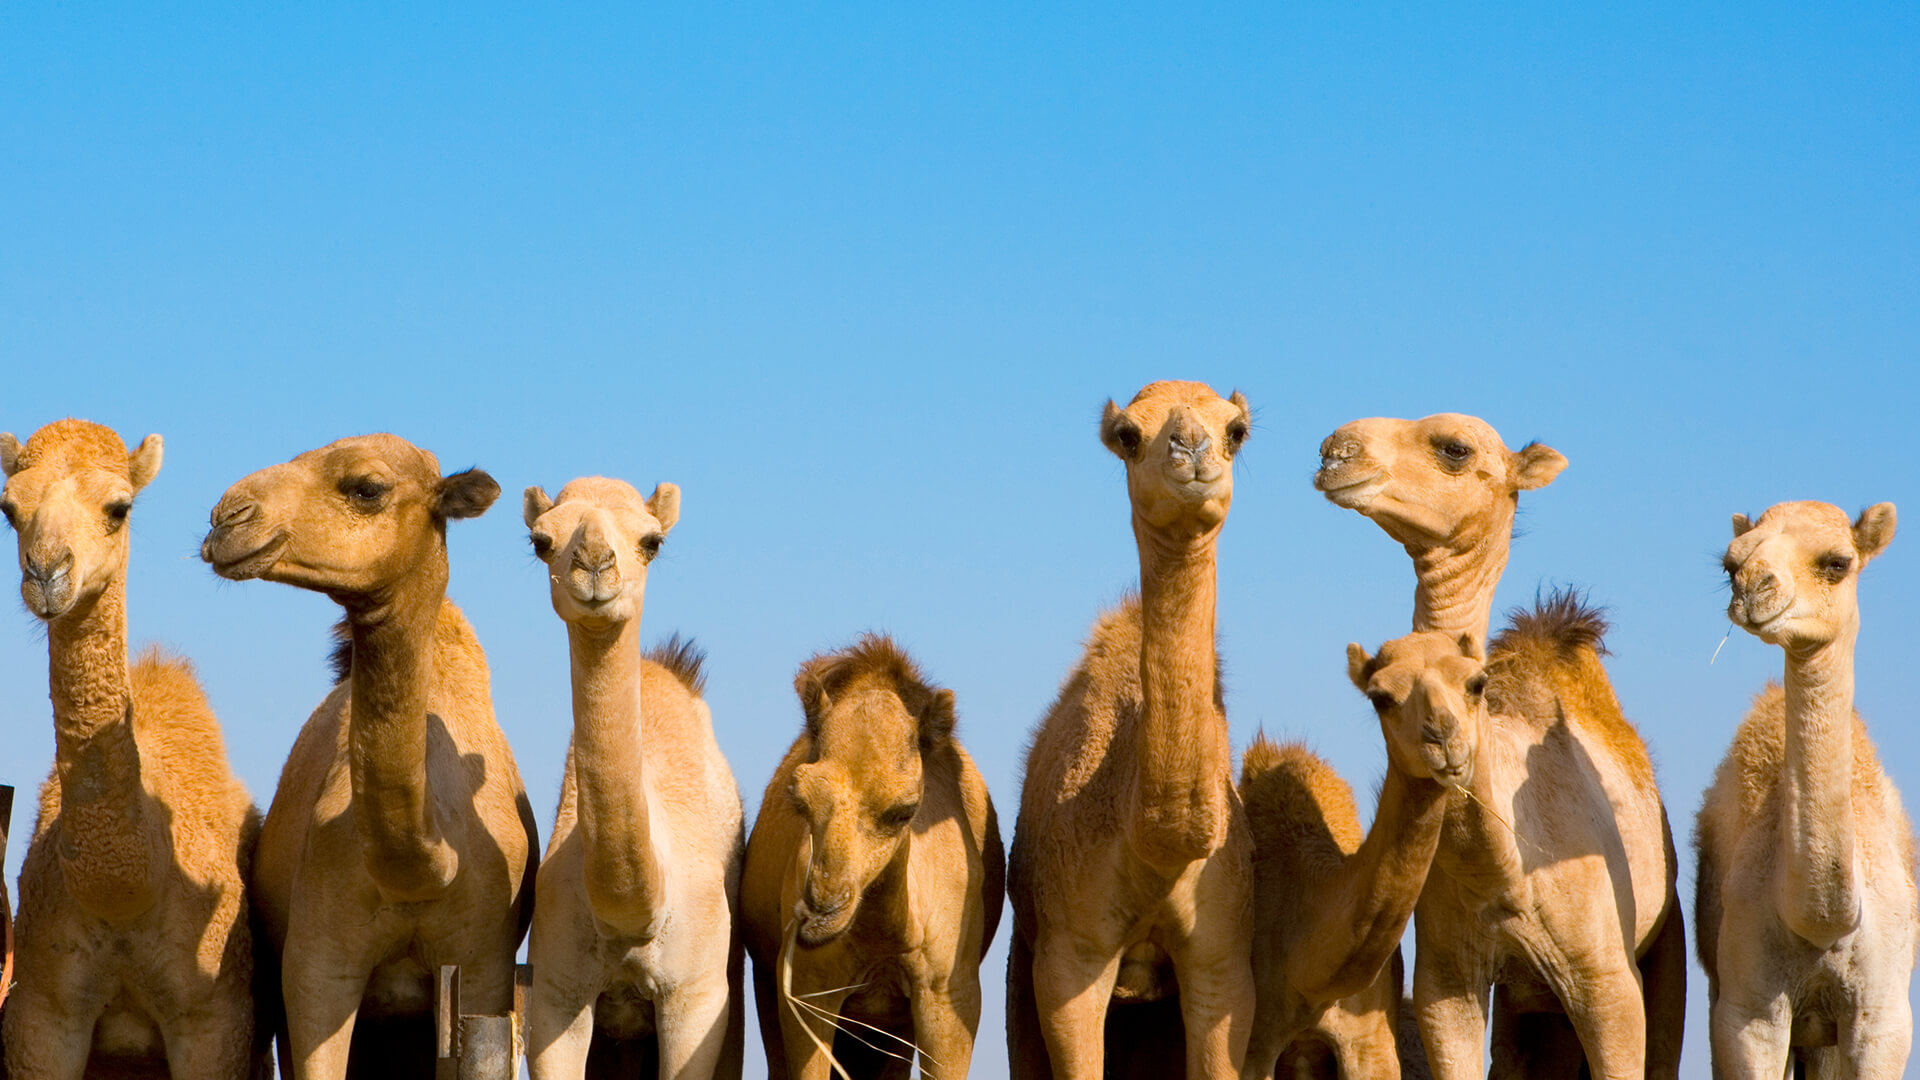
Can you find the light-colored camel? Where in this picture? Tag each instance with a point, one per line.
(1447, 488)
(1330, 908)
(134, 941)
(1550, 878)
(1806, 901)
(1131, 868)
(874, 877)
(633, 939)
(400, 838)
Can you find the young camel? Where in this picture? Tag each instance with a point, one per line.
(134, 944)
(1131, 866)
(1806, 899)
(1326, 959)
(1549, 869)
(400, 838)
(633, 938)
(874, 877)
(1447, 488)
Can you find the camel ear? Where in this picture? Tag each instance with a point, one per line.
(144, 463)
(1536, 465)
(664, 505)
(936, 718)
(9, 453)
(1874, 530)
(1357, 661)
(1470, 647)
(465, 494)
(534, 502)
(810, 685)
(1741, 526)
(1118, 431)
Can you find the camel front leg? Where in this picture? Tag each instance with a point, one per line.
(559, 1025)
(945, 1019)
(321, 1008)
(1072, 985)
(693, 1028)
(42, 1041)
(1216, 1009)
(1750, 1039)
(1609, 1015)
(1877, 1039)
(1453, 1020)
(213, 1045)
(807, 1034)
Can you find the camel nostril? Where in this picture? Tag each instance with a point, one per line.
(225, 517)
(1434, 733)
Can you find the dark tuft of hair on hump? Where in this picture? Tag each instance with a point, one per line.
(826, 675)
(1562, 618)
(340, 657)
(685, 659)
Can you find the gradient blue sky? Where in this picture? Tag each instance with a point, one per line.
(859, 279)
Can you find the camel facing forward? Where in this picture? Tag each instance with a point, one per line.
(134, 944)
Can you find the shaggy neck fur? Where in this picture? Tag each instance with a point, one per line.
(1456, 581)
(1819, 899)
(110, 846)
(1184, 767)
(625, 882)
(408, 853)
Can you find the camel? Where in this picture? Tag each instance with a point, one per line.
(400, 838)
(1551, 876)
(1131, 868)
(1805, 901)
(633, 939)
(134, 946)
(1329, 911)
(1447, 488)
(874, 877)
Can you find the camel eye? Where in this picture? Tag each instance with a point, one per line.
(899, 817)
(1477, 685)
(1382, 701)
(1129, 437)
(542, 544)
(117, 515)
(363, 491)
(1236, 434)
(1729, 566)
(650, 544)
(8, 509)
(1453, 452)
(1834, 567)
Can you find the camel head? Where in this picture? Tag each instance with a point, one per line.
(597, 539)
(1178, 440)
(356, 519)
(1427, 482)
(1795, 573)
(1430, 691)
(871, 721)
(68, 492)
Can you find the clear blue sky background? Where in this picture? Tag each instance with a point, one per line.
(859, 279)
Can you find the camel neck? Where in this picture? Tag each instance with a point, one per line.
(1358, 917)
(1455, 582)
(1819, 897)
(407, 851)
(110, 845)
(625, 881)
(1184, 767)
(1478, 847)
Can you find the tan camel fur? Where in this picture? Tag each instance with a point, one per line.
(1131, 870)
(633, 936)
(1447, 488)
(134, 944)
(400, 838)
(1551, 875)
(1330, 908)
(1806, 898)
(875, 866)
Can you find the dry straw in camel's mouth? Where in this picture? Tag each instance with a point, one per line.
(797, 1002)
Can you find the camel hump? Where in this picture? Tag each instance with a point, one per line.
(685, 659)
(1294, 798)
(1562, 622)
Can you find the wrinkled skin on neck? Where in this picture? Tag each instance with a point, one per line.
(861, 788)
(597, 540)
(1446, 487)
(1178, 441)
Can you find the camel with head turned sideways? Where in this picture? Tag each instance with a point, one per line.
(400, 838)
(1447, 488)
(134, 943)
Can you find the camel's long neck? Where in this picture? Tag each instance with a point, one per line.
(1455, 584)
(111, 845)
(624, 877)
(1184, 769)
(1478, 848)
(1359, 916)
(407, 849)
(1819, 897)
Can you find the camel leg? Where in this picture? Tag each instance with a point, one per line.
(1369, 1051)
(806, 1058)
(1026, 1044)
(943, 1028)
(693, 1029)
(320, 1017)
(1216, 1009)
(1663, 984)
(1453, 1021)
(1072, 987)
(559, 1028)
(207, 1044)
(766, 1001)
(1877, 1050)
(1609, 1015)
(43, 1042)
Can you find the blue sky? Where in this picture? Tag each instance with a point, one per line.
(859, 279)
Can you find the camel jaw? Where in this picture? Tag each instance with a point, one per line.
(1347, 491)
(217, 551)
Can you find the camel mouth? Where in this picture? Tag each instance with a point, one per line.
(820, 927)
(251, 564)
(1345, 489)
